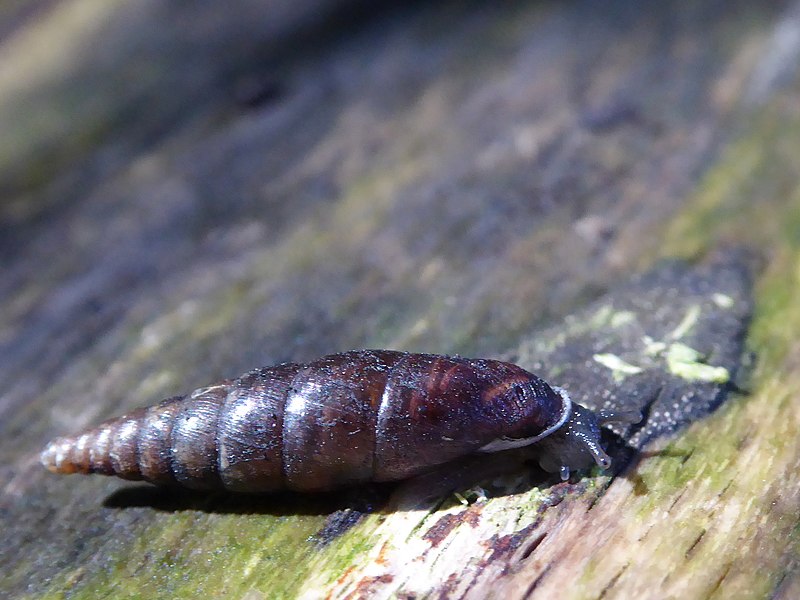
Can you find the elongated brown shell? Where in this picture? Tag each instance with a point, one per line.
(369, 415)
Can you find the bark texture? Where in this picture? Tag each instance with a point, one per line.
(605, 193)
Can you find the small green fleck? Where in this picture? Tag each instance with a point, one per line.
(722, 300)
(688, 322)
(683, 353)
(652, 347)
(623, 317)
(687, 363)
(602, 316)
(619, 368)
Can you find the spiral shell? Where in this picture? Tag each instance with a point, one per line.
(367, 415)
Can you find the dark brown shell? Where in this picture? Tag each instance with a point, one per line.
(369, 415)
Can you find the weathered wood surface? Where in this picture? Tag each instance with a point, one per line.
(186, 193)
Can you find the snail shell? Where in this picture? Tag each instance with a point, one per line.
(366, 415)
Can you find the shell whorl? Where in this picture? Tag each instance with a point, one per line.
(179, 441)
(343, 419)
(135, 446)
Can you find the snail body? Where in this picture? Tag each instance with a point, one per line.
(365, 415)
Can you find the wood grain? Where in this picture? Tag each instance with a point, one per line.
(188, 193)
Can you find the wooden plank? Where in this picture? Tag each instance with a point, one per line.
(449, 178)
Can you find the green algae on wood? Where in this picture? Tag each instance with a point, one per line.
(524, 149)
(688, 363)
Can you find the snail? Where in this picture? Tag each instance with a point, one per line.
(344, 419)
